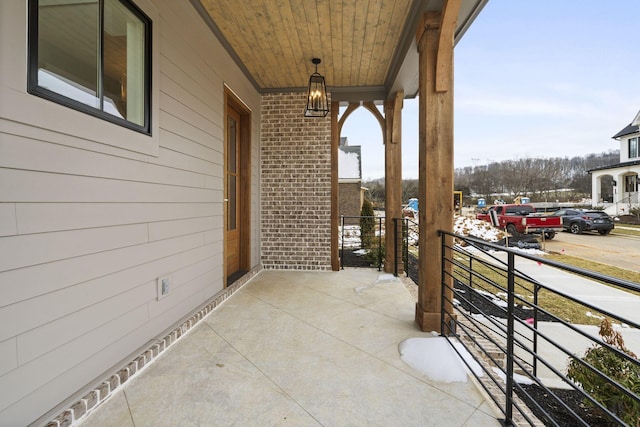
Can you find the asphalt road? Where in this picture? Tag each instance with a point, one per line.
(617, 250)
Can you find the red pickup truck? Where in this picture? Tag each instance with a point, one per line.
(522, 219)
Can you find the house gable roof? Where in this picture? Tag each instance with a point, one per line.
(626, 131)
(632, 128)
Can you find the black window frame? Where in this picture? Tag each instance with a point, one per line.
(636, 143)
(32, 69)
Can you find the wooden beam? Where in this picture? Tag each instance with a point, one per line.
(448, 23)
(396, 133)
(430, 20)
(350, 109)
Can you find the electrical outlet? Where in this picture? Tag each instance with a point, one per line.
(163, 286)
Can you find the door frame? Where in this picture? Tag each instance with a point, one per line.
(231, 100)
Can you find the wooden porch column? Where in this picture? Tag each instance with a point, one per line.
(435, 45)
(393, 178)
(335, 141)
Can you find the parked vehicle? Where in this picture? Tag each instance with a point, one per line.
(580, 220)
(522, 219)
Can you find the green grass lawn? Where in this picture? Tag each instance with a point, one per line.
(560, 306)
(626, 229)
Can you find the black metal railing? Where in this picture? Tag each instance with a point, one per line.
(361, 241)
(406, 247)
(531, 335)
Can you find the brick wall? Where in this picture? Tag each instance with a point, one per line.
(295, 185)
(349, 201)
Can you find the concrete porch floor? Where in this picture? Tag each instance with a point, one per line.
(297, 349)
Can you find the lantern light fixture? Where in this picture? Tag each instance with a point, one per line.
(317, 104)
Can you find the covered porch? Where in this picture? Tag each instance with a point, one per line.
(373, 55)
(297, 348)
(115, 236)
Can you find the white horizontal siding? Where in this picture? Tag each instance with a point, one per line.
(167, 229)
(8, 355)
(51, 335)
(92, 213)
(49, 366)
(124, 264)
(31, 249)
(180, 144)
(30, 186)
(43, 217)
(8, 224)
(54, 305)
(34, 155)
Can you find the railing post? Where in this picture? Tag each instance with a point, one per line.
(379, 243)
(510, 338)
(442, 282)
(536, 288)
(405, 244)
(470, 278)
(342, 246)
(395, 247)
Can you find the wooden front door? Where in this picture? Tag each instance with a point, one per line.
(232, 192)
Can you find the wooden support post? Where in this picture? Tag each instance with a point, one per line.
(435, 160)
(393, 177)
(335, 141)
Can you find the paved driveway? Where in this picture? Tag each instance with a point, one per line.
(617, 250)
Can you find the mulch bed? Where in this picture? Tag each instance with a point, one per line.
(350, 259)
(557, 412)
(474, 302)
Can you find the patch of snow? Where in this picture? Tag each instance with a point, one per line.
(472, 227)
(531, 251)
(590, 314)
(386, 277)
(437, 360)
(520, 379)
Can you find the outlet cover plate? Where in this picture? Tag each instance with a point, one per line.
(163, 286)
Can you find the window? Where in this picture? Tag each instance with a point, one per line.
(631, 183)
(633, 148)
(93, 56)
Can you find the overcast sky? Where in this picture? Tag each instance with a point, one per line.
(533, 78)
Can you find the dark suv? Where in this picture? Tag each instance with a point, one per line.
(579, 220)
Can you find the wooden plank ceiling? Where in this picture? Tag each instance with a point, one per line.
(275, 40)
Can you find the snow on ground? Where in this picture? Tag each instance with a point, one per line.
(463, 225)
(437, 360)
(520, 379)
(382, 278)
(472, 227)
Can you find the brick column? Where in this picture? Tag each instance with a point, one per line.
(295, 185)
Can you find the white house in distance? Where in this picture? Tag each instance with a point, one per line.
(624, 174)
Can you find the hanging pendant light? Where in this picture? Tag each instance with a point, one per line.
(317, 104)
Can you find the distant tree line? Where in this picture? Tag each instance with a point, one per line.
(538, 178)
